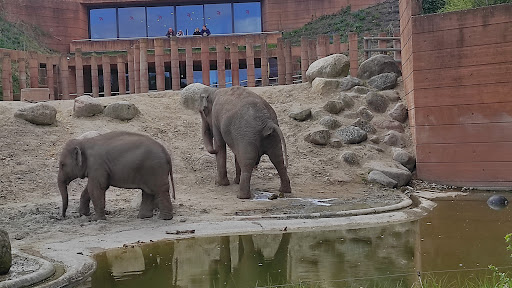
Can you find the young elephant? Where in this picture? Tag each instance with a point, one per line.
(248, 125)
(120, 159)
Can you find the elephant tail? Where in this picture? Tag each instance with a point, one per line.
(169, 160)
(283, 144)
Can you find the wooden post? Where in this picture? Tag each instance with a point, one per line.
(121, 75)
(205, 61)
(221, 64)
(288, 61)
(22, 70)
(312, 51)
(336, 44)
(321, 47)
(249, 52)
(7, 78)
(175, 64)
(264, 60)
(136, 67)
(159, 64)
(94, 77)
(50, 77)
(189, 64)
(79, 70)
(382, 43)
(33, 66)
(131, 70)
(397, 54)
(281, 62)
(144, 82)
(304, 63)
(64, 77)
(366, 45)
(233, 51)
(353, 53)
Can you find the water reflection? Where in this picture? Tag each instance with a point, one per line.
(457, 236)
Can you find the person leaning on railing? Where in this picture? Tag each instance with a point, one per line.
(205, 31)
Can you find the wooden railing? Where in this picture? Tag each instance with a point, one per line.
(383, 45)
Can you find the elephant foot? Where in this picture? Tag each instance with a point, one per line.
(165, 215)
(222, 182)
(236, 180)
(285, 189)
(244, 195)
(97, 217)
(145, 214)
(84, 211)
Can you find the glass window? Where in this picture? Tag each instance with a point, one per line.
(132, 22)
(218, 18)
(189, 17)
(247, 17)
(103, 23)
(160, 19)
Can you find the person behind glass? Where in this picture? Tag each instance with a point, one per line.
(180, 33)
(205, 31)
(197, 32)
(170, 33)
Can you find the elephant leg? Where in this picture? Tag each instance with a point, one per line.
(85, 201)
(164, 203)
(146, 206)
(245, 184)
(222, 173)
(238, 171)
(276, 156)
(97, 195)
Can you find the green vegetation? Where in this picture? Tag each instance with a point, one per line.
(21, 36)
(435, 6)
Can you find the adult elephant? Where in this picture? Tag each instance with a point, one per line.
(120, 159)
(245, 122)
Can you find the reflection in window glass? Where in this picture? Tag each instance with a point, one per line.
(160, 19)
(103, 23)
(218, 18)
(132, 22)
(189, 17)
(247, 17)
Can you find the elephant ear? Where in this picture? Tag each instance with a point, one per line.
(77, 156)
(203, 103)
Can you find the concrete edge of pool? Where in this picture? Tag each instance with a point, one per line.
(75, 254)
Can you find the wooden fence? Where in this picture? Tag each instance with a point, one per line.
(172, 63)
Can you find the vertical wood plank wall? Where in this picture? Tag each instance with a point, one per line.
(456, 70)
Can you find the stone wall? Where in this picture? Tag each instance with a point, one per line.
(456, 71)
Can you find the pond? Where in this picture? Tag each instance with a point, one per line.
(458, 240)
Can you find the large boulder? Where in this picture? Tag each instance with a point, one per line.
(190, 95)
(325, 86)
(300, 114)
(349, 82)
(377, 102)
(393, 170)
(5, 253)
(123, 110)
(394, 139)
(39, 114)
(86, 106)
(381, 178)
(351, 135)
(405, 158)
(376, 65)
(318, 136)
(383, 81)
(399, 113)
(333, 66)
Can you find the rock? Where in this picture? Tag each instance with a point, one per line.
(364, 113)
(123, 110)
(330, 123)
(364, 125)
(318, 136)
(403, 157)
(86, 106)
(351, 135)
(333, 66)
(377, 102)
(190, 95)
(497, 202)
(347, 101)
(361, 90)
(376, 148)
(335, 142)
(349, 82)
(5, 252)
(301, 115)
(376, 65)
(390, 125)
(319, 113)
(392, 95)
(350, 158)
(394, 139)
(399, 113)
(380, 178)
(39, 114)
(375, 139)
(325, 86)
(333, 106)
(393, 170)
(383, 81)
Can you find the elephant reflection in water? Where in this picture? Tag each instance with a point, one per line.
(141, 266)
(252, 269)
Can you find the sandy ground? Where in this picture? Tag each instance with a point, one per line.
(30, 202)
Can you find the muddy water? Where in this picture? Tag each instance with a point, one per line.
(458, 240)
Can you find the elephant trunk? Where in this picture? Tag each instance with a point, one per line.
(207, 134)
(63, 188)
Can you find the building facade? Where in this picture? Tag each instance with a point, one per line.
(67, 20)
